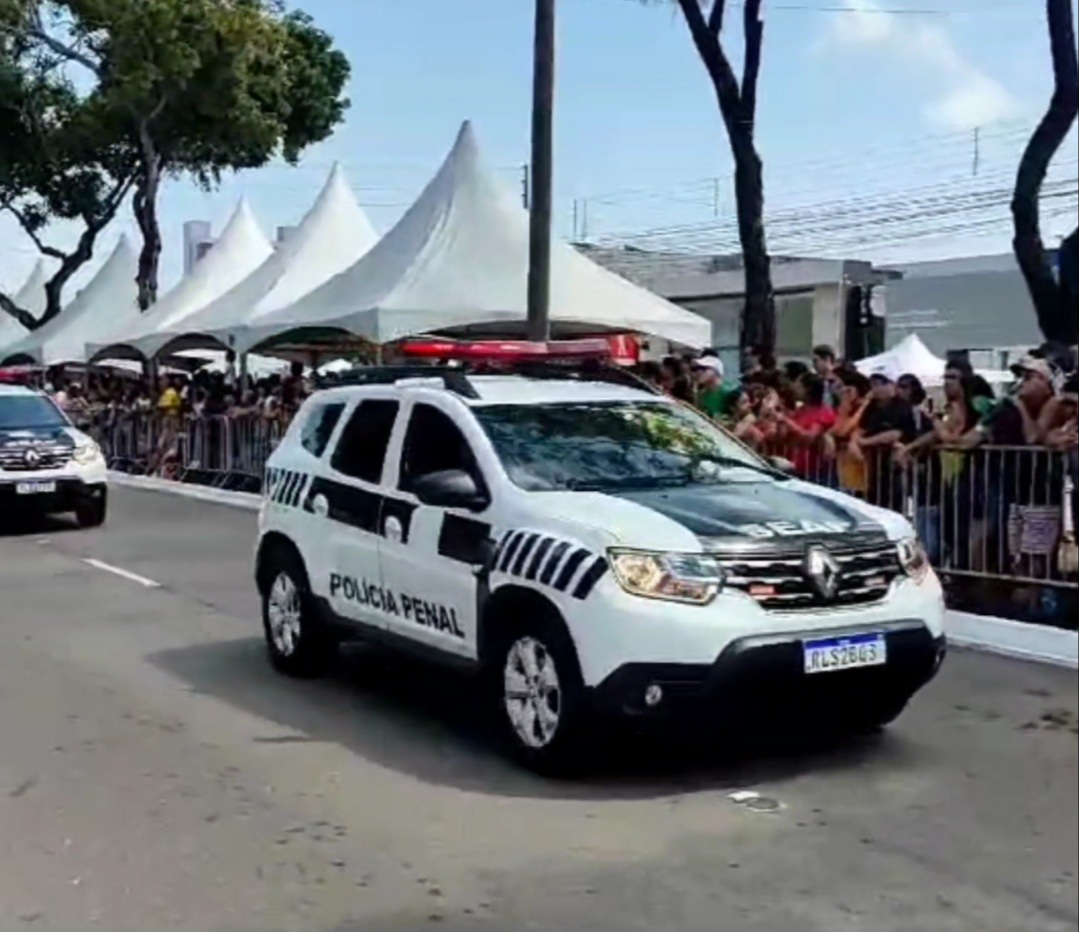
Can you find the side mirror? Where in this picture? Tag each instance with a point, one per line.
(781, 464)
(449, 488)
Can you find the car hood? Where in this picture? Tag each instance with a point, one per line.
(725, 514)
(36, 436)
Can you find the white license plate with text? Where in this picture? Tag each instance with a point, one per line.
(848, 653)
(35, 488)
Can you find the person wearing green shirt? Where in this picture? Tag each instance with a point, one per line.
(714, 397)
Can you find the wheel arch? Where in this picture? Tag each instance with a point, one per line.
(274, 543)
(509, 604)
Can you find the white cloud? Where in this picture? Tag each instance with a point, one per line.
(965, 96)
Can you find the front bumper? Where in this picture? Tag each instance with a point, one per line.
(763, 677)
(71, 493)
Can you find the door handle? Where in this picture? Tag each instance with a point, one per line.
(394, 530)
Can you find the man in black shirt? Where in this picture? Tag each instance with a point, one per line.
(889, 420)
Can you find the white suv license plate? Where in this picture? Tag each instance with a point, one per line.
(849, 653)
(35, 488)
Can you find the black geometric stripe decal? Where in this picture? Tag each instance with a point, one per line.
(549, 561)
(285, 487)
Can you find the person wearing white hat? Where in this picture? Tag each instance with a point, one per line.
(714, 397)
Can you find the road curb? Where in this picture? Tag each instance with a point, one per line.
(1038, 643)
(1018, 639)
(200, 493)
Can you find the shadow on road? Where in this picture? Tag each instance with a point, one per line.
(430, 724)
(16, 525)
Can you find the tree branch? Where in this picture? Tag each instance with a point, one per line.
(715, 61)
(35, 30)
(28, 228)
(715, 17)
(25, 318)
(751, 69)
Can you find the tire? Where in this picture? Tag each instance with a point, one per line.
(878, 714)
(544, 721)
(92, 514)
(298, 644)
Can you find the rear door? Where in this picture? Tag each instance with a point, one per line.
(348, 499)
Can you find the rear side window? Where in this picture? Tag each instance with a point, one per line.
(361, 450)
(319, 428)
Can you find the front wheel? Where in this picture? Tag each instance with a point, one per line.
(298, 644)
(540, 696)
(92, 513)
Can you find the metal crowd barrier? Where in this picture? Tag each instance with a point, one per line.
(222, 451)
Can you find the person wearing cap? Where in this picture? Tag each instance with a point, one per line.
(1017, 421)
(714, 398)
(889, 420)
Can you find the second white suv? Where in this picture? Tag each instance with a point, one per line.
(593, 548)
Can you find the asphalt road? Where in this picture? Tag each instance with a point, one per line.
(156, 774)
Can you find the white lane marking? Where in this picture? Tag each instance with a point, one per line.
(123, 574)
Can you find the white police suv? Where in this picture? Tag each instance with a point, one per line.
(46, 465)
(594, 548)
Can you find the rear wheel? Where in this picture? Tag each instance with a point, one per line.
(540, 697)
(298, 643)
(879, 713)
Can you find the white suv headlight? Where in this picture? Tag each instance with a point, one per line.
(695, 578)
(88, 453)
(913, 558)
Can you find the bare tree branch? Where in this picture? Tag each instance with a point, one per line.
(715, 61)
(751, 69)
(31, 231)
(25, 318)
(715, 17)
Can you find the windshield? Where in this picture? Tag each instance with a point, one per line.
(600, 446)
(29, 412)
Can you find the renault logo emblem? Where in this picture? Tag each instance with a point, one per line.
(822, 571)
(32, 458)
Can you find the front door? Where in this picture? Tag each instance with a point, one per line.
(431, 557)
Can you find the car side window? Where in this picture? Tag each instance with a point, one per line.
(319, 428)
(361, 451)
(434, 443)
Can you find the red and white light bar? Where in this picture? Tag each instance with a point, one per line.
(507, 351)
(621, 349)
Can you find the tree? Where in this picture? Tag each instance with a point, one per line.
(59, 159)
(1053, 304)
(195, 88)
(738, 107)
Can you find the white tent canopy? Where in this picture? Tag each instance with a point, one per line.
(459, 258)
(333, 235)
(241, 249)
(31, 298)
(910, 356)
(108, 303)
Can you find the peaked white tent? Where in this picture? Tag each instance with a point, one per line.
(31, 298)
(108, 302)
(333, 235)
(459, 258)
(910, 356)
(241, 249)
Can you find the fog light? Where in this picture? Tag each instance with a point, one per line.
(653, 696)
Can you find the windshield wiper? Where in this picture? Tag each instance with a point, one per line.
(734, 462)
(635, 482)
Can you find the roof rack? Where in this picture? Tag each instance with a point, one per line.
(454, 378)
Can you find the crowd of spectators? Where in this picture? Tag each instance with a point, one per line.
(983, 472)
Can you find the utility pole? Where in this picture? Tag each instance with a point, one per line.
(541, 175)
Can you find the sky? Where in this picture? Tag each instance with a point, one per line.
(880, 121)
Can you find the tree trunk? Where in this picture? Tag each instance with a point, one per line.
(75, 260)
(758, 330)
(145, 209)
(1055, 318)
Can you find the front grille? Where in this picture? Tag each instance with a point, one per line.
(779, 582)
(49, 456)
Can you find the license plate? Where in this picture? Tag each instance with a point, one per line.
(35, 488)
(850, 653)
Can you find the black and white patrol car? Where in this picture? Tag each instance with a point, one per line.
(46, 465)
(595, 549)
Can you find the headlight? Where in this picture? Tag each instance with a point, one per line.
(86, 454)
(695, 578)
(912, 557)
